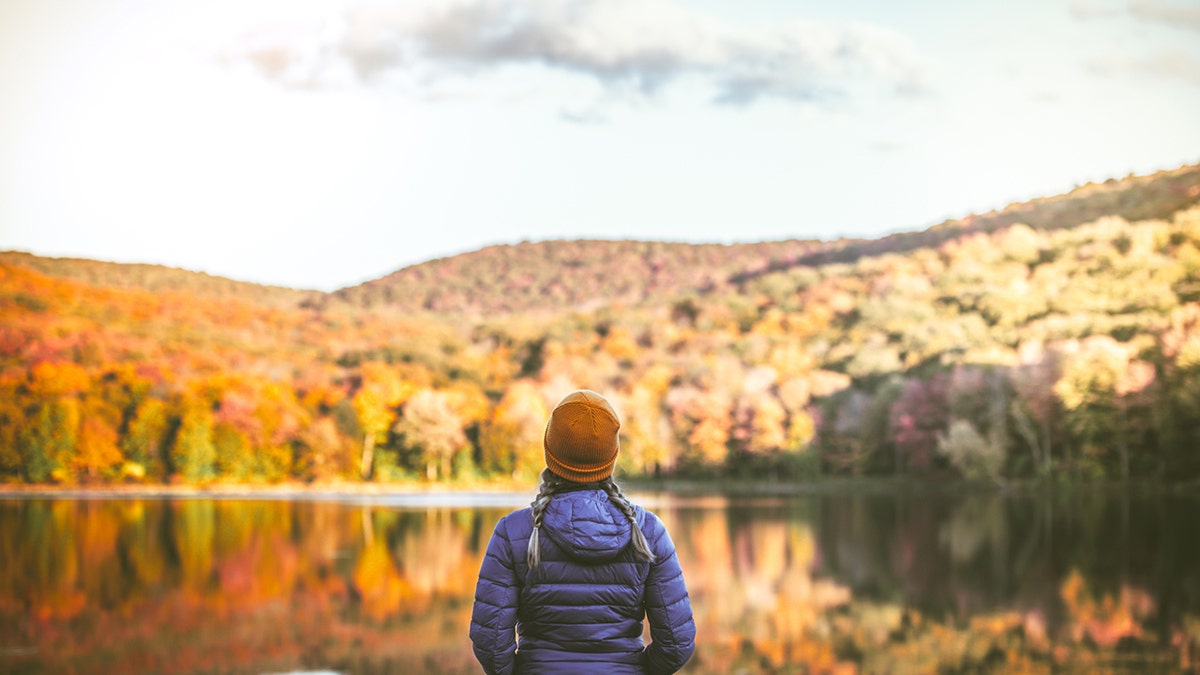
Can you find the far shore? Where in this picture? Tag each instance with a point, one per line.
(513, 492)
(398, 495)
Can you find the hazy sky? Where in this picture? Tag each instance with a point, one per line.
(321, 143)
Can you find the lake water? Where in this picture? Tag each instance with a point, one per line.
(830, 581)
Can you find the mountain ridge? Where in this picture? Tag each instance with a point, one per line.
(553, 275)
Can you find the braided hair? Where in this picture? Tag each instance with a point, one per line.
(551, 484)
(641, 547)
(547, 488)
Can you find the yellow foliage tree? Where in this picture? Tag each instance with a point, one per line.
(511, 441)
(97, 451)
(374, 404)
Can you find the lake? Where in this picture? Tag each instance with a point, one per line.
(830, 580)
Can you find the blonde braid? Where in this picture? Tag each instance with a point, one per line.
(641, 547)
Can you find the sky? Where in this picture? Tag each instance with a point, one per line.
(323, 143)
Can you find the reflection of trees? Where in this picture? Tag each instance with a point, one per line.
(878, 583)
(433, 556)
(975, 552)
(193, 534)
(234, 586)
(750, 575)
(377, 581)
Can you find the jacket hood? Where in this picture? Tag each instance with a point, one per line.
(587, 525)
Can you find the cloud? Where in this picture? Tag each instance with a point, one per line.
(1187, 16)
(1179, 16)
(1171, 64)
(1164, 64)
(629, 47)
(1085, 9)
(1168, 64)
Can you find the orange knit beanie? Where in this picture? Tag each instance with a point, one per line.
(581, 438)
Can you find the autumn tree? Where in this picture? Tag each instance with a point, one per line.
(430, 427)
(97, 452)
(323, 452)
(646, 445)
(235, 430)
(915, 420)
(280, 419)
(12, 420)
(760, 424)
(472, 407)
(1098, 389)
(702, 419)
(50, 444)
(374, 404)
(511, 440)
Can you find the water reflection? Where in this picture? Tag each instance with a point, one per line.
(815, 583)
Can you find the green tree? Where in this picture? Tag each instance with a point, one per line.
(1035, 409)
(975, 457)
(12, 421)
(47, 446)
(233, 457)
(146, 437)
(193, 454)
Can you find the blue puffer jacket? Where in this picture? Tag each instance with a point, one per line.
(581, 609)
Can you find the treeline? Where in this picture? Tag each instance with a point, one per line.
(1018, 353)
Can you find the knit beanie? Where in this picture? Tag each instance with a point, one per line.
(581, 438)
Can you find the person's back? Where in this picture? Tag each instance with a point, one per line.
(576, 573)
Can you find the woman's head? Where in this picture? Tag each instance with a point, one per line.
(581, 440)
(581, 447)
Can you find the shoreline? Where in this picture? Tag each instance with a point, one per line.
(507, 491)
(396, 496)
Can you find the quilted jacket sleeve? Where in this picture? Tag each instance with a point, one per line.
(672, 629)
(494, 616)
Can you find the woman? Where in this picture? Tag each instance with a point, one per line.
(576, 573)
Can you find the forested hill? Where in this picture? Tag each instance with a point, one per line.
(1132, 198)
(547, 277)
(553, 276)
(157, 279)
(550, 276)
(1057, 338)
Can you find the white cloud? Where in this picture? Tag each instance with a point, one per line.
(629, 47)
(1167, 64)
(1182, 16)
(1089, 9)
(1167, 57)
(1179, 15)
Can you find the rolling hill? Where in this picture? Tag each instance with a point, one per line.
(1057, 338)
